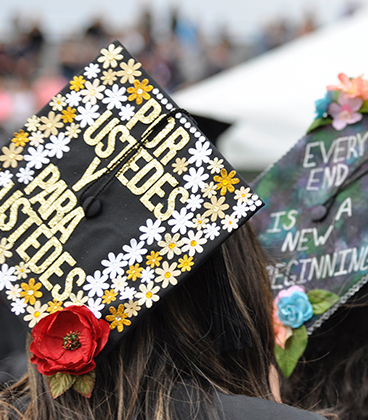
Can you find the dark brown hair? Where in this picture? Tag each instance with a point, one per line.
(175, 346)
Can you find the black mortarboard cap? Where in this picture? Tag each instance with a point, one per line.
(110, 197)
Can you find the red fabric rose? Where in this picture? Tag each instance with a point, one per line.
(68, 341)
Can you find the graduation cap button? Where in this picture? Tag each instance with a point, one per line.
(92, 207)
(319, 213)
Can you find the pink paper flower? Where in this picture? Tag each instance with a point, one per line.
(288, 292)
(353, 88)
(282, 333)
(344, 112)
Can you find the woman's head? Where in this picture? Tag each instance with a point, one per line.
(178, 343)
(333, 373)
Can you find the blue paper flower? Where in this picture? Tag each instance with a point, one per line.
(295, 309)
(323, 104)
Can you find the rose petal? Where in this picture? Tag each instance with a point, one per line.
(104, 335)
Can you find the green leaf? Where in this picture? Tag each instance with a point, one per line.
(59, 383)
(294, 347)
(322, 300)
(319, 122)
(364, 108)
(84, 383)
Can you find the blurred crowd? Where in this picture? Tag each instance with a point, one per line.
(33, 68)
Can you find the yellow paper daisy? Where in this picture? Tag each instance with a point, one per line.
(109, 296)
(117, 318)
(226, 181)
(77, 83)
(134, 272)
(154, 259)
(20, 138)
(30, 291)
(139, 91)
(54, 306)
(185, 263)
(68, 115)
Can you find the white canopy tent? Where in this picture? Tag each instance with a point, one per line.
(270, 99)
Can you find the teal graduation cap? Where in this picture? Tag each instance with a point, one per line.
(314, 221)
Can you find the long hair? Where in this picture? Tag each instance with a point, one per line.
(174, 348)
(333, 373)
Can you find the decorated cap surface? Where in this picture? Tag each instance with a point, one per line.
(314, 221)
(110, 197)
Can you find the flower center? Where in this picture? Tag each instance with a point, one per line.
(345, 115)
(225, 182)
(167, 275)
(139, 91)
(49, 124)
(92, 92)
(129, 71)
(30, 292)
(71, 340)
(1, 250)
(149, 295)
(37, 314)
(216, 208)
(118, 318)
(193, 243)
(171, 245)
(12, 155)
